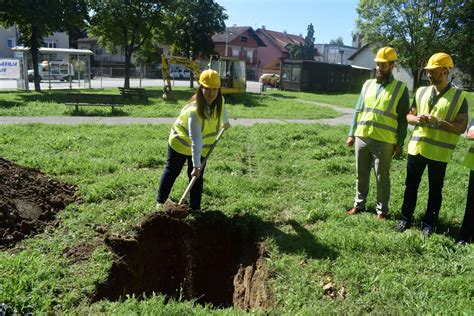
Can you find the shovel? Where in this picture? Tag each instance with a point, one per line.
(194, 178)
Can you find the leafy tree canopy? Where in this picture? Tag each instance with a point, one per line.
(127, 25)
(304, 51)
(460, 37)
(190, 25)
(416, 28)
(339, 41)
(36, 19)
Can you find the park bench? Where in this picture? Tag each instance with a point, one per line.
(129, 93)
(89, 99)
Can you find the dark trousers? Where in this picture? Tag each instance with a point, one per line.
(173, 167)
(467, 228)
(436, 171)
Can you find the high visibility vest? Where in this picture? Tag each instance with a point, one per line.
(469, 159)
(378, 118)
(431, 141)
(179, 138)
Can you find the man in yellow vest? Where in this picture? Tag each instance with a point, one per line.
(378, 131)
(439, 114)
(466, 234)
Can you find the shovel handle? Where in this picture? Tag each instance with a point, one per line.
(194, 179)
(188, 189)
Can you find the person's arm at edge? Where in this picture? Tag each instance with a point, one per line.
(358, 108)
(195, 134)
(470, 131)
(226, 123)
(459, 124)
(412, 116)
(402, 111)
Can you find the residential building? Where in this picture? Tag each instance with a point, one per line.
(110, 64)
(8, 40)
(241, 42)
(364, 58)
(56, 40)
(334, 53)
(10, 37)
(276, 48)
(101, 55)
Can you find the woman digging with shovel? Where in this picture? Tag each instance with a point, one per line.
(191, 139)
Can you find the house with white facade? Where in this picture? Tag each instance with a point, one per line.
(364, 57)
(10, 37)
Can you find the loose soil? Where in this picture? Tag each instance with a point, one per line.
(29, 200)
(211, 259)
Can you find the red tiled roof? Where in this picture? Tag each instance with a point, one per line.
(280, 39)
(236, 31)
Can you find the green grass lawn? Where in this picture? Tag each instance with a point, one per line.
(298, 179)
(346, 100)
(303, 105)
(244, 106)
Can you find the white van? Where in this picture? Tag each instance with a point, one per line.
(59, 71)
(180, 73)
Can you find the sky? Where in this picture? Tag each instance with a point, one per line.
(330, 18)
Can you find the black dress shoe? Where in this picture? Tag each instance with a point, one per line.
(402, 225)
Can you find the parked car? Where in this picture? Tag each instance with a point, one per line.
(59, 71)
(179, 73)
(272, 80)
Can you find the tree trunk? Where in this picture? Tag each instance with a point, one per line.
(191, 79)
(128, 58)
(34, 48)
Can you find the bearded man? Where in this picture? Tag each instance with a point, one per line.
(378, 131)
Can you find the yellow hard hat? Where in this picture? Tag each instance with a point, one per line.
(386, 54)
(440, 60)
(210, 79)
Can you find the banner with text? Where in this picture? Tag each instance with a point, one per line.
(9, 69)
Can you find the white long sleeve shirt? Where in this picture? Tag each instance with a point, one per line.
(195, 134)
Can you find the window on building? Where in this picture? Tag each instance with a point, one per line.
(250, 55)
(243, 39)
(235, 52)
(295, 75)
(50, 44)
(10, 42)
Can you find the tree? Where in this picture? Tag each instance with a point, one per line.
(460, 32)
(190, 25)
(36, 19)
(126, 25)
(416, 28)
(339, 41)
(304, 50)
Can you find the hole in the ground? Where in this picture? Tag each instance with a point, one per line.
(29, 201)
(213, 260)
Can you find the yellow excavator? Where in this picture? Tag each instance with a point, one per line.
(230, 69)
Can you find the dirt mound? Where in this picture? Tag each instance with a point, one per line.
(212, 259)
(28, 201)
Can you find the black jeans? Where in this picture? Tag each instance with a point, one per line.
(173, 167)
(436, 172)
(467, 227)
